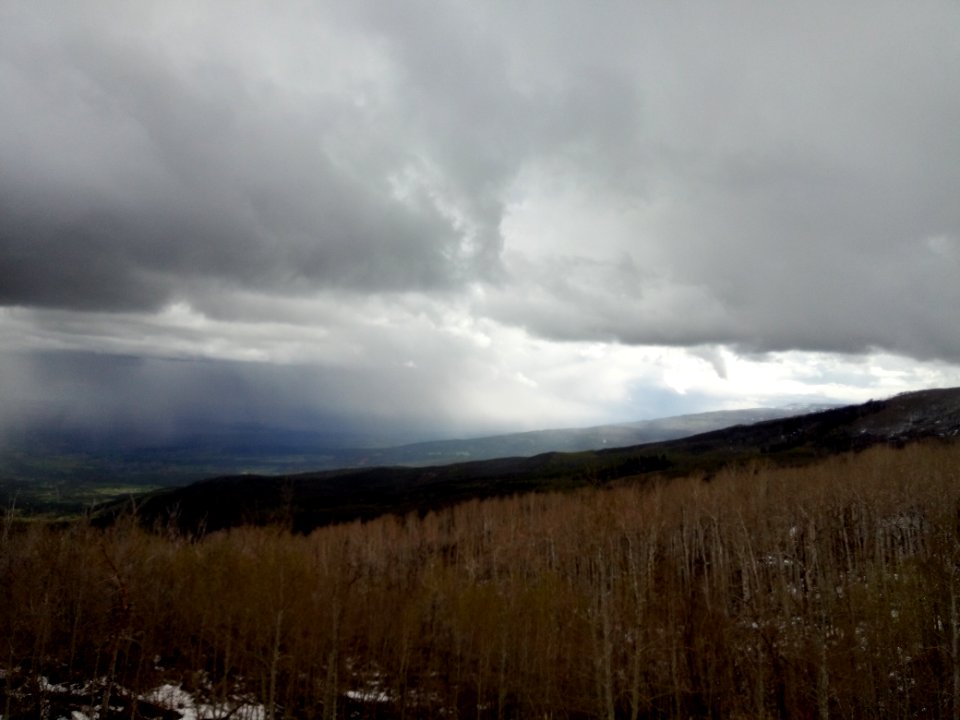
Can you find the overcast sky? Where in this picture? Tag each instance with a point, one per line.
(460, 217)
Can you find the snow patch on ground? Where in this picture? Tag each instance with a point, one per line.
(369, 696)
(85, 701)
(174, 697)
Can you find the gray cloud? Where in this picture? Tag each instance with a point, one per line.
(128, 170)
(764, 179)
(793, 174)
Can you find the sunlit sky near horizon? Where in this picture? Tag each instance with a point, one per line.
(430, 219)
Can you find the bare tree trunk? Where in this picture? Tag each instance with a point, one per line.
(954, 643)
(603, 639)
(823, 682)
(274, 667)
(333, 661)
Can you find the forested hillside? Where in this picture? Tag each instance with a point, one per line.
(828, 590)
(309, 500)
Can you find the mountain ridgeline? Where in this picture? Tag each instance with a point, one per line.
(305, 501)
(536, 442)
(801, 567)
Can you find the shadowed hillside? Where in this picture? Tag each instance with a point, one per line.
(306, 501)
(60, 471)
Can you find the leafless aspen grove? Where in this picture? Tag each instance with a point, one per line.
(829, 590)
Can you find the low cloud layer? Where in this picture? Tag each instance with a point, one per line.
(327, 183)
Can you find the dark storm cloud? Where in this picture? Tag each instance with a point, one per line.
(126, 171)
(129, 399)
(771, 177)
(139, 156)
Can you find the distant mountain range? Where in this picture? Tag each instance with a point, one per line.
(526, 444)
(305, 501)
(65, 457)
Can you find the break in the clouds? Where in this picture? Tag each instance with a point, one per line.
(486, 214)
